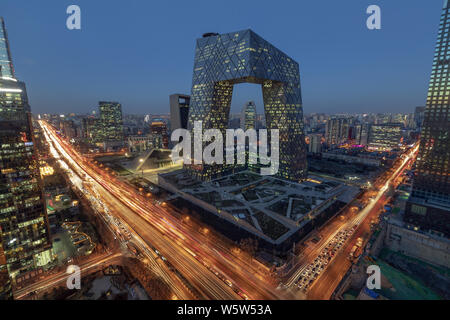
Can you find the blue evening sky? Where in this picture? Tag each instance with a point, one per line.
(139, 52)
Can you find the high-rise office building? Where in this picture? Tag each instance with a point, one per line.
(111, 121)
(361, 133)
(223, 60)
(248, 116)
(337, 131)
(179, 111)
(91, 129)
(24, 234)
(315, 143)
(384, 137)
(158, 129)
(419, 115)
(6, 65)
(429, 204)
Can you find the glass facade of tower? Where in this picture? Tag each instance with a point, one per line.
(248, 117)
(179, 111)
(111, 121)
(24, 237)
(337, 131)
(226, 59)
(429, 204)
(6, 66)
(384, 137)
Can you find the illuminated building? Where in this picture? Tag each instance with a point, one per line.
(24, 238)
(68, 128)
(315, 143)
(337, 130)
(111, 121)
(91, 130)
(158, 129)
(179, 111)
(248, 116)
(223, 60)
(384, 137)
(140, 143)
(429, 204)
(419, 114)
(6, 65)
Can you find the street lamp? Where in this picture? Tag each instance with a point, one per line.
(142, 160)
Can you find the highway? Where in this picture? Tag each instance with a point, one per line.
(356, 224)
(210, 268)
(91, 265)
(208, 264)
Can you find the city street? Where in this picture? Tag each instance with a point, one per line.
(209, 266)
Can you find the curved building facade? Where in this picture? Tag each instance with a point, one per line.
(223, 60)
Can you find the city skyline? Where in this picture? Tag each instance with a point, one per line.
(160, 62)
(234, 190)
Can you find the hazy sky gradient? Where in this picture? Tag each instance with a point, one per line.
(140, 52)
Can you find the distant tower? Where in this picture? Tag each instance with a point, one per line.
(24, 233)
(248, 116)
(158, 129)
(6, 65)
(111, 121)
(429, 204)
(179, 111)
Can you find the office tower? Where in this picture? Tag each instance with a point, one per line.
(248, 116)
(91, 129)
(361, 133)
(179, 111)
(158, 129)
(429, 204)
(383, 118)
(410, 122)
(419, 114)
(111, 121)
(315, 143)
(6, 65)
(398, 118)
(336, 131)
(24, 234)
(221, 61)
(384, 137)
(68, 128)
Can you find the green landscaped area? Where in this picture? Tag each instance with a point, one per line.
(406, 288)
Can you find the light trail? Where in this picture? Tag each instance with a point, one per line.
(205, 261)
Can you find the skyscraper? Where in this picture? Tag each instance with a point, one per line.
(6, 65)
(419, 114)
(221, 61)
(248, 116)
(158, 129)
(337, 130)
(384, 137)
(24, 233)
(315, 143)
(179, 111)
(111, 121)
(429, 203)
